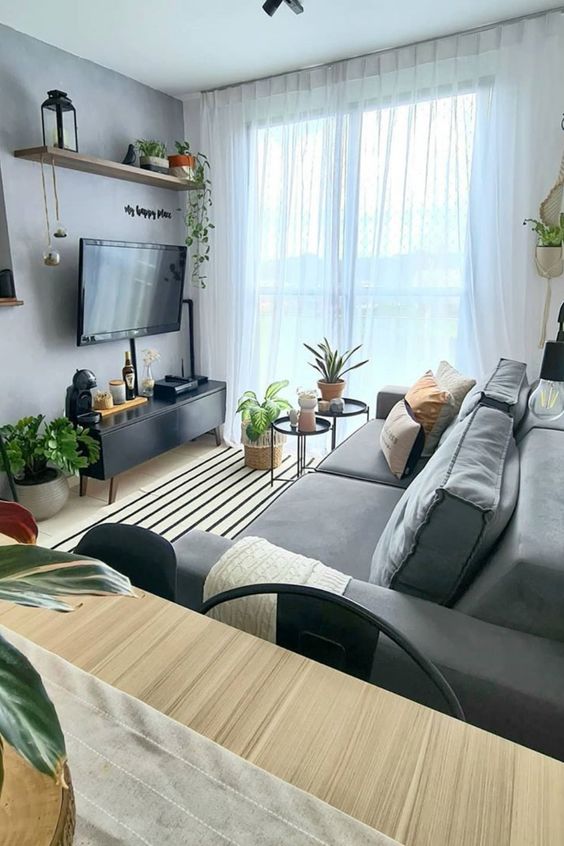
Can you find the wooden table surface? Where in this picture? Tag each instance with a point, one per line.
(419, 776)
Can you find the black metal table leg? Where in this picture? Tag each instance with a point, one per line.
(334, 434)
(271, 456)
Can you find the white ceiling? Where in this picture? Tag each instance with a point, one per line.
(180, 46)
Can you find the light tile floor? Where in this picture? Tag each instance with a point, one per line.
(81, 511)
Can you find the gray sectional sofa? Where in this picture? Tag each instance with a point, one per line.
(493, 618)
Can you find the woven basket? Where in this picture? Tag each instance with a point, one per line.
(257, 453)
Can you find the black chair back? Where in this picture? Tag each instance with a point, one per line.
(336, 631)
(147, 559)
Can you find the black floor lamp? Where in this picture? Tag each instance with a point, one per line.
(7, 468)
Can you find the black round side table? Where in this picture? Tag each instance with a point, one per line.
(284, 426)
(351, 409)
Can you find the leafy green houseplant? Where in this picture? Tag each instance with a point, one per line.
(256, 417)
(30, 575)
(152, 154)
(547, 235)
(197, 219)
(39, 453)
(332, 367)
(548, 256)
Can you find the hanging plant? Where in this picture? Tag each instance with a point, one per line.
(198, 223)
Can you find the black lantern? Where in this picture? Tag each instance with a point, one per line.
(58, 118)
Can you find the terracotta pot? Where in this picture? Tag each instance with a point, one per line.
(183, 167)
(182, 161)
(47, 498)
(331, 390)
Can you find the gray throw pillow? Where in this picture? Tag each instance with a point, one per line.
(453, 512)
(506, 386)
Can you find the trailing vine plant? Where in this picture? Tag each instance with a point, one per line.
(198, 223)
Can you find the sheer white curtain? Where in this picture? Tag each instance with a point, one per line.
(379, 201)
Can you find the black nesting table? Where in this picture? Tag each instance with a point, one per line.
(284, 426)
(351, 409)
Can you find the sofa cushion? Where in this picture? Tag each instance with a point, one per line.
(522, 585)
(449, 379)
(506, 387)
(453, 512)
(335, 520)
(433, 407)
(402, 439)
(360, 457)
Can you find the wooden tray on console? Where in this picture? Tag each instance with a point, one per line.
(124, 406)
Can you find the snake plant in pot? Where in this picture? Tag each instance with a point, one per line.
(256, 418)
(331, 365)
(31, 575)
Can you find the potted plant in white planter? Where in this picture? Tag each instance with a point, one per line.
(152, 155)
(331, 365)
(256, 418)
(30, 575)
(549, 247)
(39, 455)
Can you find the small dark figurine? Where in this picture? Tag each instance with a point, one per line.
(130, 156)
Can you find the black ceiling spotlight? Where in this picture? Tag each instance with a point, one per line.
(271, 6)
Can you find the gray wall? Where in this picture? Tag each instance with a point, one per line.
(38, 352)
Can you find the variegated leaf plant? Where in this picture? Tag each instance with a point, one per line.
(31, 575)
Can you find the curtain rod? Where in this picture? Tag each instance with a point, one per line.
(472, 31)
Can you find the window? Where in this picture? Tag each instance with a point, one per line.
(358, 223)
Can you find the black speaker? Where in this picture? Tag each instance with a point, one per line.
(7, 287)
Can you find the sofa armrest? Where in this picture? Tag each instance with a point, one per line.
(196, 553)
(387, 398)
(508, 682)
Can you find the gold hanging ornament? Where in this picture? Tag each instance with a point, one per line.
(51, 257)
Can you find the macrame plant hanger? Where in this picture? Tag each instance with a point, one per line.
(549, 259)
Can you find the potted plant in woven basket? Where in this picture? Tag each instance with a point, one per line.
(29, 727)
(331, 365)
(256, 418)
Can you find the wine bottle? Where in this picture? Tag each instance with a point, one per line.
(128, 374)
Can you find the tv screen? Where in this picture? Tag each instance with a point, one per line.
(127, 290)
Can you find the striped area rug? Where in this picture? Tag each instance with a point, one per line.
(216, 493)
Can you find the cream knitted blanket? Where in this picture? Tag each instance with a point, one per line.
(253, 561)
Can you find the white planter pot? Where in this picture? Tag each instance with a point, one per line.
(549, 261)
(45, 499)
(153, 162)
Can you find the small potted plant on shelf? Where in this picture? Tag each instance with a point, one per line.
(29, 726)
(152, 155)
(39, 455)
(549, 247)
(256, 418)
(198, 223)
(331, 365)
(183, 163)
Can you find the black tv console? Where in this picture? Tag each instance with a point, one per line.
(137, 434)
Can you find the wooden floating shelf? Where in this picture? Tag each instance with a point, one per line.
(8, 302)
(103, 167)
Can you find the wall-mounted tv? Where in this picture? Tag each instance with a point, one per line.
(127, 290)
